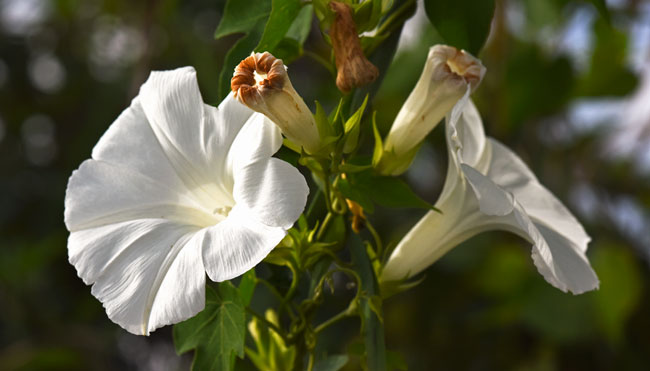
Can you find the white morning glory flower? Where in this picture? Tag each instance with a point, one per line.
(447, 74)
(176, 188)
(488, 187)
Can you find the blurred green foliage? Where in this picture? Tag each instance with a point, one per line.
(70, 67)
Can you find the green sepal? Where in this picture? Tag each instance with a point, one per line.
(392, 164)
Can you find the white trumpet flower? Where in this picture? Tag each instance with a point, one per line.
(488, 187)
(176, 188)
(447, 74)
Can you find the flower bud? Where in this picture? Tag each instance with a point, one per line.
(353, 68)
(447, 75)
(261, 82)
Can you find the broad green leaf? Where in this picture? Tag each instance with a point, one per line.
(247, 286)
(464, 24)
(288, 50)
(385, 191)
(301, 26)
(331, 363)
(283, 12)
(239, 51)
(242, 16)
(217, 333)
(353, 168)
(351, 192)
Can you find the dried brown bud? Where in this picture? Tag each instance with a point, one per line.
(353, 67)
(261, 83)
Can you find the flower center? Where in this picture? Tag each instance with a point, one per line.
(222, 211)
(464, 65)
(257, 76)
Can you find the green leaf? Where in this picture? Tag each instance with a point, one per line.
(239, 51)
(464, 24)
(283, 12)
(384, 191)
(301, 26)
(247, 286)
(216, 333)
(359, 196)
(242, 16)
(353, 168)
(331, 363)
(288, 50)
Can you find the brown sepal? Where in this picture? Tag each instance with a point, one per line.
(353, 68)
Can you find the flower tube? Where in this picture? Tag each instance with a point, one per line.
(261, 83)
(448, 73)
(174, 189)
(488, 187)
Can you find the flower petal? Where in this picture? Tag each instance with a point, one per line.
(237, 244)
(258, 140)
(100, 193)
(492, 199)
(193, 135)
(274, 191)
(131, 143)
(143, 271)
(465, 135)
(509, 171)
(562, 263)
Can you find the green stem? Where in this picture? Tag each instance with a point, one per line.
(293, 287)
(323, 226)
(395, 18)
(322, 61)
(310, 364)
(314, 201)
(375, 236)
(277, 294)
(331, 321)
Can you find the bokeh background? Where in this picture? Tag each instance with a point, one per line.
(567, 88)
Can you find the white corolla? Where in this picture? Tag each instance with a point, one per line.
(176, 188)
(488, 187)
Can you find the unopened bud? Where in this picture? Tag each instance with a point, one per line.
(447, 75)
(353, 68)
(261, 82)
